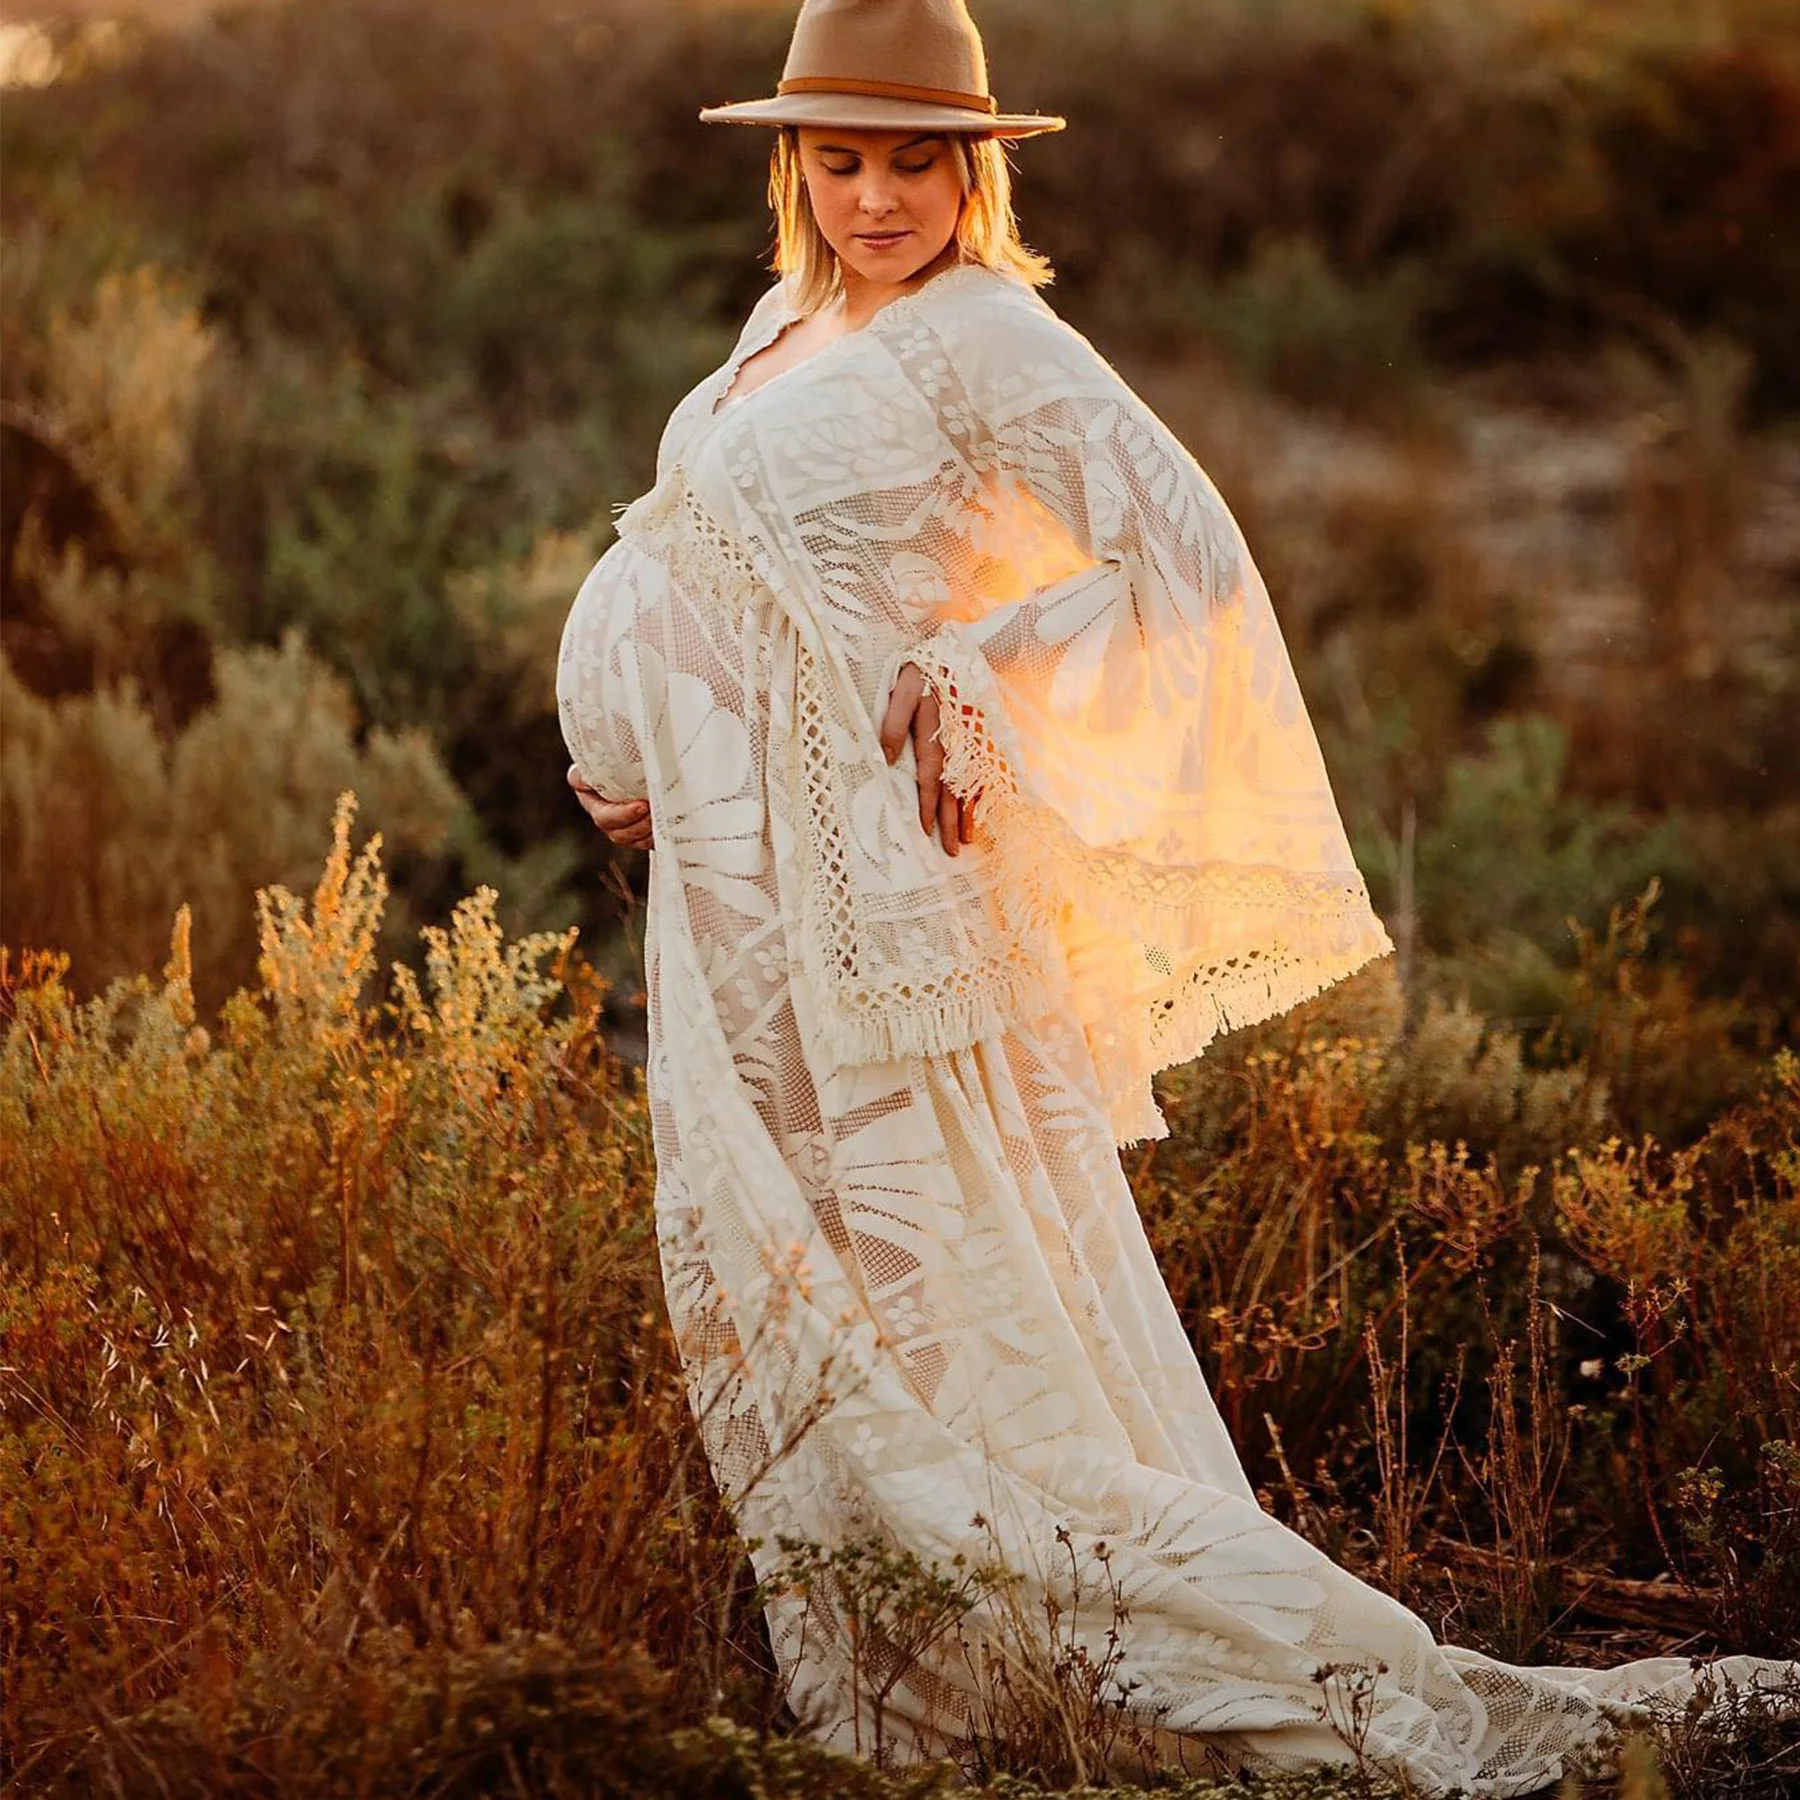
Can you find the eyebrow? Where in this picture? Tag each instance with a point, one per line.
(930, 137)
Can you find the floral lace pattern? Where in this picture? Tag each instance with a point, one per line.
(902, 1262)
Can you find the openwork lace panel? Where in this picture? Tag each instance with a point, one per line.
(968, 484)
(903, 1264)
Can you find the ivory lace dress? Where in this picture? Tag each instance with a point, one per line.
(905, 1271)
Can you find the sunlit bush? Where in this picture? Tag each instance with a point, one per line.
(356, 1308)
(341, 1433)
(108, 827)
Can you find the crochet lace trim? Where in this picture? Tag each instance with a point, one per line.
(880, 990)
(669, 523)
(883, 992)
(1323, 921)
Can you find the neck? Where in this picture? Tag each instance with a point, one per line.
(864, 298)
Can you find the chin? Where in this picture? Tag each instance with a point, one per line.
(892, 267)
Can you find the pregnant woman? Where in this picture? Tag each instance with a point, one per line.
(943, 685)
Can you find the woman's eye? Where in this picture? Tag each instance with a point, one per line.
(915, 168)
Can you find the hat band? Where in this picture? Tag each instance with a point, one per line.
(886, 90)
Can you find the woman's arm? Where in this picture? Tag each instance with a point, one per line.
(1122, 638)
(1166, 556)
(1115, 691)
(1151, 783)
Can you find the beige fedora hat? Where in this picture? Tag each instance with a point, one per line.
(880, 65)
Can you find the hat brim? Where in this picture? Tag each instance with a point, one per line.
(876, 112)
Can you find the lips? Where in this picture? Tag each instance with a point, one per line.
(880, 237)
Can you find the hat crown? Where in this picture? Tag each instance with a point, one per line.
(928, 44)
(884, 65)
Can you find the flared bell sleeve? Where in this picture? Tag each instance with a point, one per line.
(1149, 777)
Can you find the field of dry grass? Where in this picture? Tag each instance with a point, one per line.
(345, 1448)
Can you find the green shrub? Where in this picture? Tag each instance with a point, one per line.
(109, 827)
(1512, 849)
(1290, 321)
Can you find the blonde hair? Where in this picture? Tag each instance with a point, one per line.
(986, 231)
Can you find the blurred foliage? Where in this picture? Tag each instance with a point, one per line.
(352, 320)
(344, 1446)
(108, 826)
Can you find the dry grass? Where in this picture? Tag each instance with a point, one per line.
(338, 1326)
(343, 1431)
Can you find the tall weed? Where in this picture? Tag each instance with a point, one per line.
(341, 1420)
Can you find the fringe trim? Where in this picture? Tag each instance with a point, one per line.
(1323, 921)
(1325, 908)
(1327, 927)
(1135, 1117)
(1236, 999)
(903, 1025)
(896, 1012)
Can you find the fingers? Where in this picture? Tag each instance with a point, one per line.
(912, 711)
(613, 816)
(626, 822)
(965, 819)
(897, 721)
(928, 758)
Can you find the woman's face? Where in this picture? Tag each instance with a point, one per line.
(887, 201)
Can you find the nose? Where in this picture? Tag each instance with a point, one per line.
(877, 198)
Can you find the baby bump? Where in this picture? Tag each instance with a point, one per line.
(599, 675)
(652, 694)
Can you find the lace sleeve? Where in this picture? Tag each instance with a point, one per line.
(1135, 727)
(1118, 655)
(1166, 553)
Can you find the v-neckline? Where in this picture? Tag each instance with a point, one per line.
(724, 402)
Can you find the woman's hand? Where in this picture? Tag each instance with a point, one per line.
(912, 711)
(626, 822)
